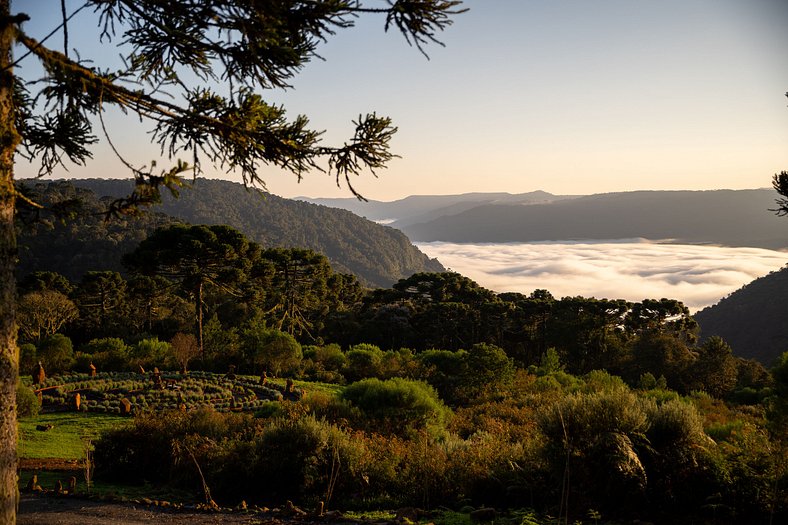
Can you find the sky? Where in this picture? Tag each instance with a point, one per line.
(566, 96)
(631, 269)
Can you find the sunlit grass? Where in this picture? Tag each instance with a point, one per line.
(310, 386)
(66, 439)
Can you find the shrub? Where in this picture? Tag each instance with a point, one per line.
(106, 354)
(302, 460)
(682, 469)
(56, 353)
(398, 405)
(27, 357)
(595, 437)
(488, 368)
(146, 450)
(444, 370)
(363, 361)
(271, 350)
(330, 356)
(602, 381)
(151, 353)
(27, 404)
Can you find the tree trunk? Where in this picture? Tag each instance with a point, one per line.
(9, 354)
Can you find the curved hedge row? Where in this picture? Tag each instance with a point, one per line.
(105, 392)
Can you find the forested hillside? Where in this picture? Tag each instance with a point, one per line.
(376, 254)
(727, 217)
(753, 320)
(71, 236)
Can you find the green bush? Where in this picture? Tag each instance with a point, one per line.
(444, 370)
(27, 357)
(271, 350)
(27, 404)
(331, 357)
(398, 405)
(487, 369)
(106, 354)
(151, 353)
(363, 361)
(603, 381)
(56, 353)
(596, 436)
(680, 459)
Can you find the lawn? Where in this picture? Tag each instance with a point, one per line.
(66, 440)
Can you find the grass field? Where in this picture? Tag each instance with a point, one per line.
(66, 440)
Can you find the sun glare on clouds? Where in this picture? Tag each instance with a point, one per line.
(698, 275)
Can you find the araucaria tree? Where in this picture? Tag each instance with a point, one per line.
(237, 47)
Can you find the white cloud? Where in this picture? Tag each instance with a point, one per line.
(632, 269)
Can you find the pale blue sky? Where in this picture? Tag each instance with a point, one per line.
(568, 96)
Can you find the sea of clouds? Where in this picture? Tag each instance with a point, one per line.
(631, 269)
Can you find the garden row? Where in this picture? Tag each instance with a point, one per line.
(116, 392)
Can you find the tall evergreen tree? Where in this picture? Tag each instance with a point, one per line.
(195, 257)
(242, 47)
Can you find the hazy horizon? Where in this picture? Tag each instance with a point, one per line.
(631, 269)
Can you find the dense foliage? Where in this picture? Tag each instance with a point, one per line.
(562, 444)
(375, 254)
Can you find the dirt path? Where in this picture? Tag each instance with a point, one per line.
(43, 510)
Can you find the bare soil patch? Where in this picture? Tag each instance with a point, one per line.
(37, 510)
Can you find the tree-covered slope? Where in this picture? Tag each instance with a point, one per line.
(376, 254)
(71, 236)
(753, 319)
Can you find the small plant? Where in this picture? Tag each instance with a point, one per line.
(87, 464)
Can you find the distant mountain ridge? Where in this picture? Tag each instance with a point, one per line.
(727, 217)
(376, 254)
(422, 208)
(753, 319)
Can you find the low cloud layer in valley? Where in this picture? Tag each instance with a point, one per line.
(698, 275)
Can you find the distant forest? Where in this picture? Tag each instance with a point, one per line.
(377, 255)
(753, 319)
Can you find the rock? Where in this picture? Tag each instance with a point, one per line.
(292, 510)
(483, 515)
(32, 484)
(407, 515)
